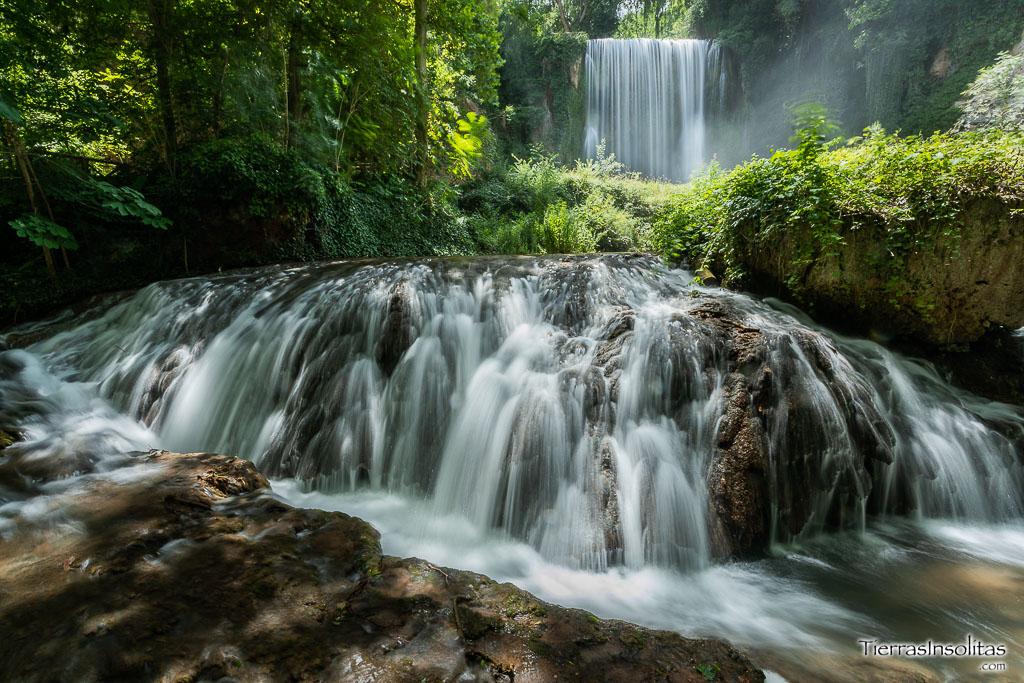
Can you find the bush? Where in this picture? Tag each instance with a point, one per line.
(996, 97)
(913, 188)
(538, 206)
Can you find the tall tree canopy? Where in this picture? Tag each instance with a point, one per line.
(334, 79)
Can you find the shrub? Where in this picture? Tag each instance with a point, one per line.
(539, 206)
(913, 188)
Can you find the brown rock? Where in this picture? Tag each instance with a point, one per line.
(194, 572)
(952, 293)
(399, 333)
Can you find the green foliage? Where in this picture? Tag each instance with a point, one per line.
(996, 97)
(312, 212)
(281, 129)
(710, 672)
(813, 129)
(654, 19)
(567, 231)
(911, 191)
(466, 144)
(255, 172)
(10, 113)
(542, 94)
(43, 232)
(538, 206)
(333, 79)
(129, 203)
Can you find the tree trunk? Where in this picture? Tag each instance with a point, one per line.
(561, 13)
(568, 26)
(49, 211)
(162, 51)
(23, 166)
(218, 97)
(294, 89)
(420, 47)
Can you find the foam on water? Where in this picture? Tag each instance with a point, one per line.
(549, 422)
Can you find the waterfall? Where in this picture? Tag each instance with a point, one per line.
(648, 101)
(574, 425)
(577, 404)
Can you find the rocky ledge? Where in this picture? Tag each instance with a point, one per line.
(192, 571)
(964, 286)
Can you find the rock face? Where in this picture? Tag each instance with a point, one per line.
(738, 493)
(772, 445)
(953, 293)
(191, 571)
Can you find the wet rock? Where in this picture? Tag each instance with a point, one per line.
(738, 495)
(777, 451)
(738, 492)
(608, 356)
(610, 500)
(992, 367)
(193, 571)
(160, 380)
(399, 331)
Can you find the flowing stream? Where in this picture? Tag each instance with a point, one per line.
(553, 422)
(648, 102)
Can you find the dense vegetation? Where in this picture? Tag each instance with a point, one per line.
(996, 97)
(537, 206)
(151, 140)
(240, 131)
(914, 189)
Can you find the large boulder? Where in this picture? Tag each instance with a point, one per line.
(192, 571)
(786, 462)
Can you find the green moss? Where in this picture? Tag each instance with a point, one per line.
(539, 648)
(518, 604)
(633, 639)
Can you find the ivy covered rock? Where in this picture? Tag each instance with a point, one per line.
(952, 290)
(916, 238)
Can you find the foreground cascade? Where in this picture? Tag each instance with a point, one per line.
(602, 409)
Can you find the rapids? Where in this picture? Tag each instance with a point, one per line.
(553, 422)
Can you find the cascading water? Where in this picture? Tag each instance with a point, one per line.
(553, 421)
(648, 102)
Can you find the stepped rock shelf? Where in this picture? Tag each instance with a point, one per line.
(187, 568)
(597, 430)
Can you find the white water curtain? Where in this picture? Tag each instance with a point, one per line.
(646, 99)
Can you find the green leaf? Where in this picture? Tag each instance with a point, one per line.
(9, 112)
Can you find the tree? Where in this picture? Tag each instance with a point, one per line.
(422, 121)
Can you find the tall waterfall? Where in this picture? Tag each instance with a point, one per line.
(648, 101)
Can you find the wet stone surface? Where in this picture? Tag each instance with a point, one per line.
(187, 569)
